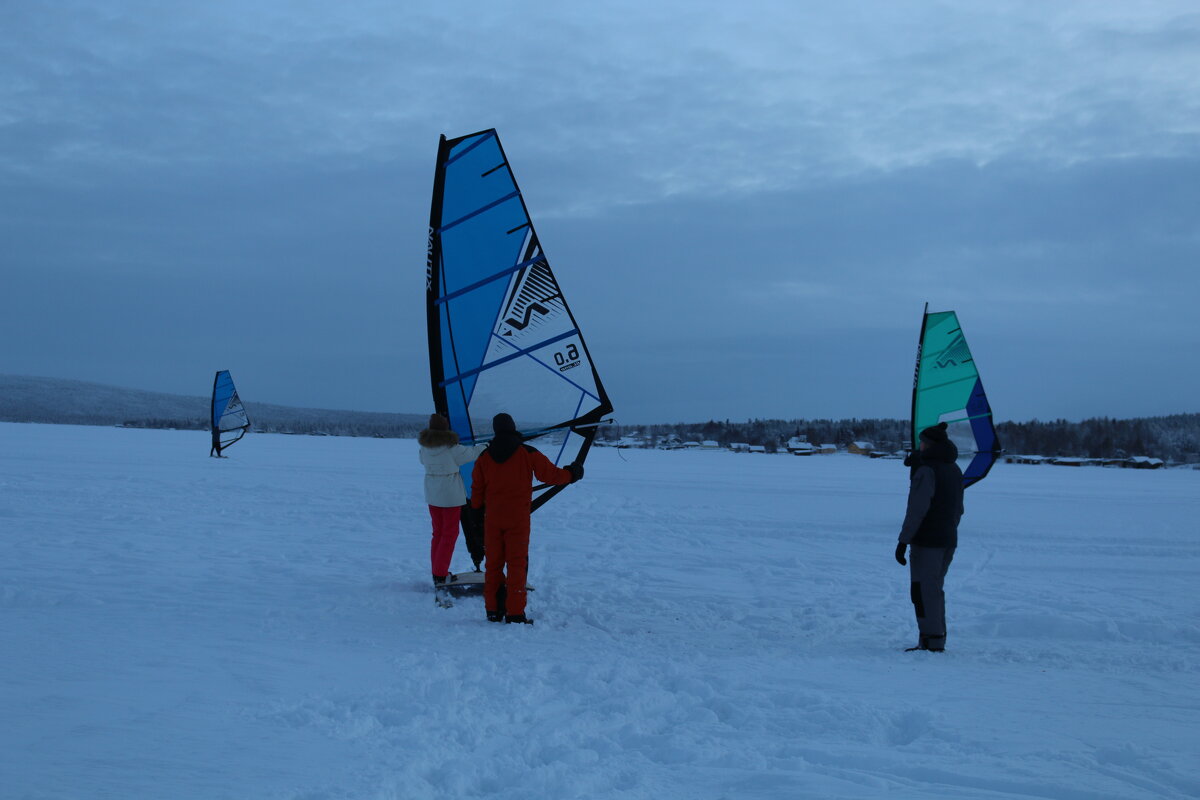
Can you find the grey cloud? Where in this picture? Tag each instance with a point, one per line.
(1045, 265)
(758, 203)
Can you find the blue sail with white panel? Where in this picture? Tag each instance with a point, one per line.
(501, 335)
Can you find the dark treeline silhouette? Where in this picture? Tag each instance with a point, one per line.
(884, 434)
(333, 423)
(1172, 438)
(60, 401)
(53, 400)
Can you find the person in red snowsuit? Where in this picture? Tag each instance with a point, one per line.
(502, 485)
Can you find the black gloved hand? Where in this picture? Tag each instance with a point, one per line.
(900, 548)
(576, 471)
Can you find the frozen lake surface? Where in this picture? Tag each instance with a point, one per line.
(709, 625)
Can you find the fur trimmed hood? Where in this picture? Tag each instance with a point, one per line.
(432, 438)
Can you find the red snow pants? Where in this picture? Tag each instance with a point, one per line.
(445, 536)
(507, 550)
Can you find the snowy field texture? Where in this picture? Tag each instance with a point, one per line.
(709, 625)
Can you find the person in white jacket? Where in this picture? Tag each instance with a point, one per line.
(442, 456)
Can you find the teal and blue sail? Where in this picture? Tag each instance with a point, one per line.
(947, 388)
(501, 335)
(229, 419)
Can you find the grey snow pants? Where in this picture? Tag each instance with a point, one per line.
(927, 567)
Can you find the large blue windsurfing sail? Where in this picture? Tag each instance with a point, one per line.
(501, 336)
(228, 414)
(947, 388)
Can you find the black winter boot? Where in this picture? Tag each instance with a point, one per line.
(521, 618)
(495, 616)
(934, 644)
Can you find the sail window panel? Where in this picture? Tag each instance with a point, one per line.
(233, 418)
(564, 447)
(560, 355)
(964, 439)
(535, 396)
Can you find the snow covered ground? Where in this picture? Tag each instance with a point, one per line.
(709, 625)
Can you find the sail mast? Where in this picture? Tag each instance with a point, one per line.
(434, 282)
(916, 379)
(212, 416)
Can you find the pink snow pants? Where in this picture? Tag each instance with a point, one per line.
(445, 536)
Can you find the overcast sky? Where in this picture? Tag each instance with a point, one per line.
(747, 204)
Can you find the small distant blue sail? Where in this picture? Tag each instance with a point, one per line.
(501, 336)
(947, 388)
(229, 419)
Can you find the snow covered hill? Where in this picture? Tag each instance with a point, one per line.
(60, 401)
(709, 625)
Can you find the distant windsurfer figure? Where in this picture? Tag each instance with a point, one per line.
(216, 444)
(502, 483)
(445, 493)
(930, 531)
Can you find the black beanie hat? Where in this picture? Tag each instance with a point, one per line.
(935, 433)
(503, 422)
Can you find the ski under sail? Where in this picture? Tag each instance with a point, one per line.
(501, 336)
(947, 388)
(228, 414)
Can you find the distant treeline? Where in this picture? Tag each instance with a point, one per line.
(1174, 438)
(54, 400)
(885, 434)
(333, 424)
(67, 402)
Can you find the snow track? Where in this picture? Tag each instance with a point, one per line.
(709, 625)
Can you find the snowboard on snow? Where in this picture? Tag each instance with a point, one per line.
(468, 583)
(463, 584)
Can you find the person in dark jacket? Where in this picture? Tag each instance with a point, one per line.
(502, 486)
(930, 531)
